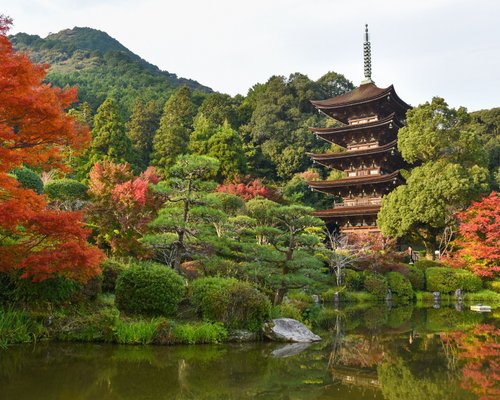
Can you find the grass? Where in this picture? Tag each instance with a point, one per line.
(483, 296)
(136, 332)
(197, 333)
(15, 327)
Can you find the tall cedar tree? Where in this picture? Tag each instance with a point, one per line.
(172, 137)
(109, 141)
(141, 129)
(203, 131)
(34, 129)
(226, 145)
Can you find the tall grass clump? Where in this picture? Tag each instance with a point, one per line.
(14, 327)
(202, 332)
(136, 332)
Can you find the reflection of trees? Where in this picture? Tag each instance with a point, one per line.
(479, 353)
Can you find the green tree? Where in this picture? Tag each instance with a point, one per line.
(109, 141)
(332, 84)
(172, 137)
(451, 173)
(218, 108)
(203, 131)
(226, 145)
(141, 129)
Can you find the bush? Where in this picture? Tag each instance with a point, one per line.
(353, 280)
(66, 189)
(29, 179)
(424, 264)
(56, 290)
(289, 310)
(7, 287)
(150, 289)
(400, 286)
(494, 285)
(202, 332)
(447, 280)
(416, 277)
(111, 269)
(375, 284)
(237, 304)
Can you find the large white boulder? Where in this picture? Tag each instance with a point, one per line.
(289, 330)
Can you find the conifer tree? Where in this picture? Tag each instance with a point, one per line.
(141, 129)
(203, 131)
(227, 146)
(172, 137)
(109, 141)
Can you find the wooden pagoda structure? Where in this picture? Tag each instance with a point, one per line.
(370, 117)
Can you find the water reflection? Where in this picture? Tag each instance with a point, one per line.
(376, 353)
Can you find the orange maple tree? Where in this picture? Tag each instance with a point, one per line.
(36, 130)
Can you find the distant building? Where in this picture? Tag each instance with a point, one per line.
(371, 162)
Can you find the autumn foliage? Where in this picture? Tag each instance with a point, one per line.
(479, 239)
(122, 206)
(36, 130)
(247, 191)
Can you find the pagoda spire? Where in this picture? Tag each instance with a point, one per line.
(367, 55)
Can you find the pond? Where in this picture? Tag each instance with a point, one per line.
(367, 353)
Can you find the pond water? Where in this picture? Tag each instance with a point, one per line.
(376, 353)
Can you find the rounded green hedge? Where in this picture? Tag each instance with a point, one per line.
(424, 264)
(353, 280)
(28, 179)
(149, 288)
(375, 284)
(235, 303)
(111, 269)
(400, 286)
(447, 280)
(417, 278)
(66, 189)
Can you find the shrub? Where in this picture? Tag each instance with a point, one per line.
(7, 287)
(400, 286)
(424, 264)
(150, 289)
(447, 280)
(136, 332)
(66, 189)
(375, 284)
(111, 269)
(353, 280)
(289, 310)
(237, 304)
(416, 277)
(202, 332)
(494, 285)
(29, 179)
(483, 295)
(56, 290)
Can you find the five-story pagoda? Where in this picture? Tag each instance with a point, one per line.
(371, 117)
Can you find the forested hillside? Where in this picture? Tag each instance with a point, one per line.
(100, 66)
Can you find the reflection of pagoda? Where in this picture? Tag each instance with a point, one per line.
(370, 162)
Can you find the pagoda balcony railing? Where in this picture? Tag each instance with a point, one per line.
(358, 203)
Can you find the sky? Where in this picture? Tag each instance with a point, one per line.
(425, 48)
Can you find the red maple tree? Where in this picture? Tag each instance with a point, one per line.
(36, 130)
(479, 240)
(247, 191)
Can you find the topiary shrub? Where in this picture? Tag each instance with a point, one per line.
(149, 289)
(447, 280)
(28, 179)
(237, 304)
(400, 286)
(416, 277)
(375, 284)
(353, 280)
(111, 269)
(424, 264)
(66, 189)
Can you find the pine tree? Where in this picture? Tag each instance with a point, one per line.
(141, 129)
(109, 141)
(172, 137)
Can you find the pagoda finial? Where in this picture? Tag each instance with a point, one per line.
(367, 55)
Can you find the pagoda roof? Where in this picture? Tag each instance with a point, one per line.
(348, 154)
(367, 99)
(356, 180)
(352, 128)
(348, 211)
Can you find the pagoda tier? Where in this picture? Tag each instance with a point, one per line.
(352, 219)
(380, 131)
(365, 104)
(372, 160)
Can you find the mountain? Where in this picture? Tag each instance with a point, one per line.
(100, 65)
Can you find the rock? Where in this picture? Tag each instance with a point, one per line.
(243, 336)
(289, 350)
(289, 330)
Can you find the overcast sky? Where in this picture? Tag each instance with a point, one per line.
(426, 48)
